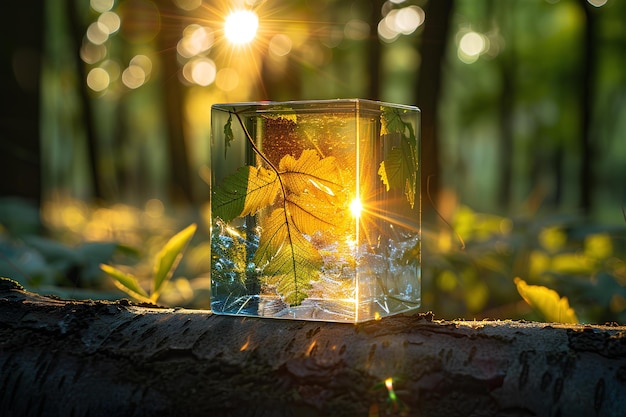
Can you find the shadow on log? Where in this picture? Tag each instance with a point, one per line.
(86, 358)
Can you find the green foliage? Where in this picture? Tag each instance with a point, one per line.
(580, 261)
(399, 169)
(166, 262)
(40, 262)
(44, 263)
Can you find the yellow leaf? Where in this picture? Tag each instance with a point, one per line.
(321, 177)
(309, 215)
(548, 302)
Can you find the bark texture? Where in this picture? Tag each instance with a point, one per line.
(86, 358)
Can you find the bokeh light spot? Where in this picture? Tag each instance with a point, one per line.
(112, 68)
(188, 5)
(102, 6)
(402, 21)
(91, 53)
(408, 19)
(280, 45)
(386, 33)
(97, 33)
(201, 71)
(98, 79)
(133, 76)
(155, 208)
(196, 40)
(471, 45)
(357, 30)
(143, 62)
(111, 21)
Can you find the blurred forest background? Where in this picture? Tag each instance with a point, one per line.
(105, 130)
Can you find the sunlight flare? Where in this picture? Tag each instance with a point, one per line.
(356, 207)
(241, 26)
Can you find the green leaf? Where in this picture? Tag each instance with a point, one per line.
(399, 169)
(554, 308)
(168, 258)
(228, 133)
(391, 121)
(125, 282)
(289, 261)
(245, 192)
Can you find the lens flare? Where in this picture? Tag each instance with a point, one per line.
(240, 26)
(356, 207)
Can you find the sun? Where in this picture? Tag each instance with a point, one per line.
(241, 26)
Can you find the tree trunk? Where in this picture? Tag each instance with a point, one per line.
(21, 37)
(507, 66)
(588, 74)
(181, 189)
(77, 358)
(433, 50)
(374, 52)
(77, 32)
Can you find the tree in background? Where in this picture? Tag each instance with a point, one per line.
(433, 43)
(21, 40)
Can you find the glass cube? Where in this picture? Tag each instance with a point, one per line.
(315, 209)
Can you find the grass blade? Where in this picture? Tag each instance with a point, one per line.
(125, 282)
(168, 258)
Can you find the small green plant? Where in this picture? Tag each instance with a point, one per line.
(166, 262)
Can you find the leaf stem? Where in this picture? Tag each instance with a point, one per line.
(284, 192)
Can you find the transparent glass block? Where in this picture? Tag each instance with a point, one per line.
(315, 209)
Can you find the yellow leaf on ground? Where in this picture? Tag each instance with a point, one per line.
(548, 302)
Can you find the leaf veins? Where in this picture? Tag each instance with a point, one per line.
(290, 262)
(244, 192)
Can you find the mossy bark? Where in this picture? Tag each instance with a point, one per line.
(79, 358)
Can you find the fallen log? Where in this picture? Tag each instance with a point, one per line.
(95, 358)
